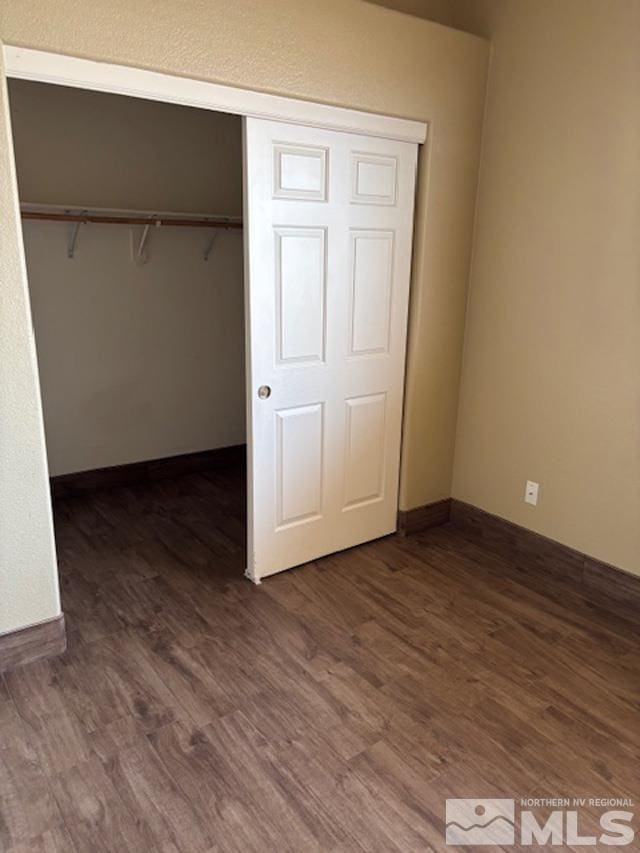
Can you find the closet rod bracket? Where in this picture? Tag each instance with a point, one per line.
(140, 254)
(210, 245)
(73, 238)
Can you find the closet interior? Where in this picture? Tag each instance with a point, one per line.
(133, 235)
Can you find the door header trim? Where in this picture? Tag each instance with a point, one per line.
(62, 70)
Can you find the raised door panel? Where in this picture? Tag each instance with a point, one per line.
(300, 172)
(301, 294)
(365, 449)
(374, 179)
(299, 464)
(371, 288)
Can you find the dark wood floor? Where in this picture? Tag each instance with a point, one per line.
(333, 708)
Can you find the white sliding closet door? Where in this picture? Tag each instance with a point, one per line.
(328, 219)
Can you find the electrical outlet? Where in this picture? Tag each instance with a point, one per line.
(531, 493)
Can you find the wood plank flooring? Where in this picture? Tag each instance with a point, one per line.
(334, 708)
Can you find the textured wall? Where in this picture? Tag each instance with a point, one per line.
(551, 388)
(28, 579)
(343, 52)
(439, 11)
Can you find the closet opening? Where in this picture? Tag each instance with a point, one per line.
(137, 228)
(133, 237)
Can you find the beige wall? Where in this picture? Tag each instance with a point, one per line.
(28, 577)
(344, 52)
(550, 388)
(136, 361)
(439, 11)
(77, 147)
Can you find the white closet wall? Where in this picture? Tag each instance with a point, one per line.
(136, 361)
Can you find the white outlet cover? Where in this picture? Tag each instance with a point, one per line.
(531, 493)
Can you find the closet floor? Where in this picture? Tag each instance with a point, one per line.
(332, 708)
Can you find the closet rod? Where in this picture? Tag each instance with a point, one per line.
(131, 220)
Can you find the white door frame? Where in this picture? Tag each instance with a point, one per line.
(63, 70)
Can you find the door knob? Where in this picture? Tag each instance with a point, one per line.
(264, 391)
